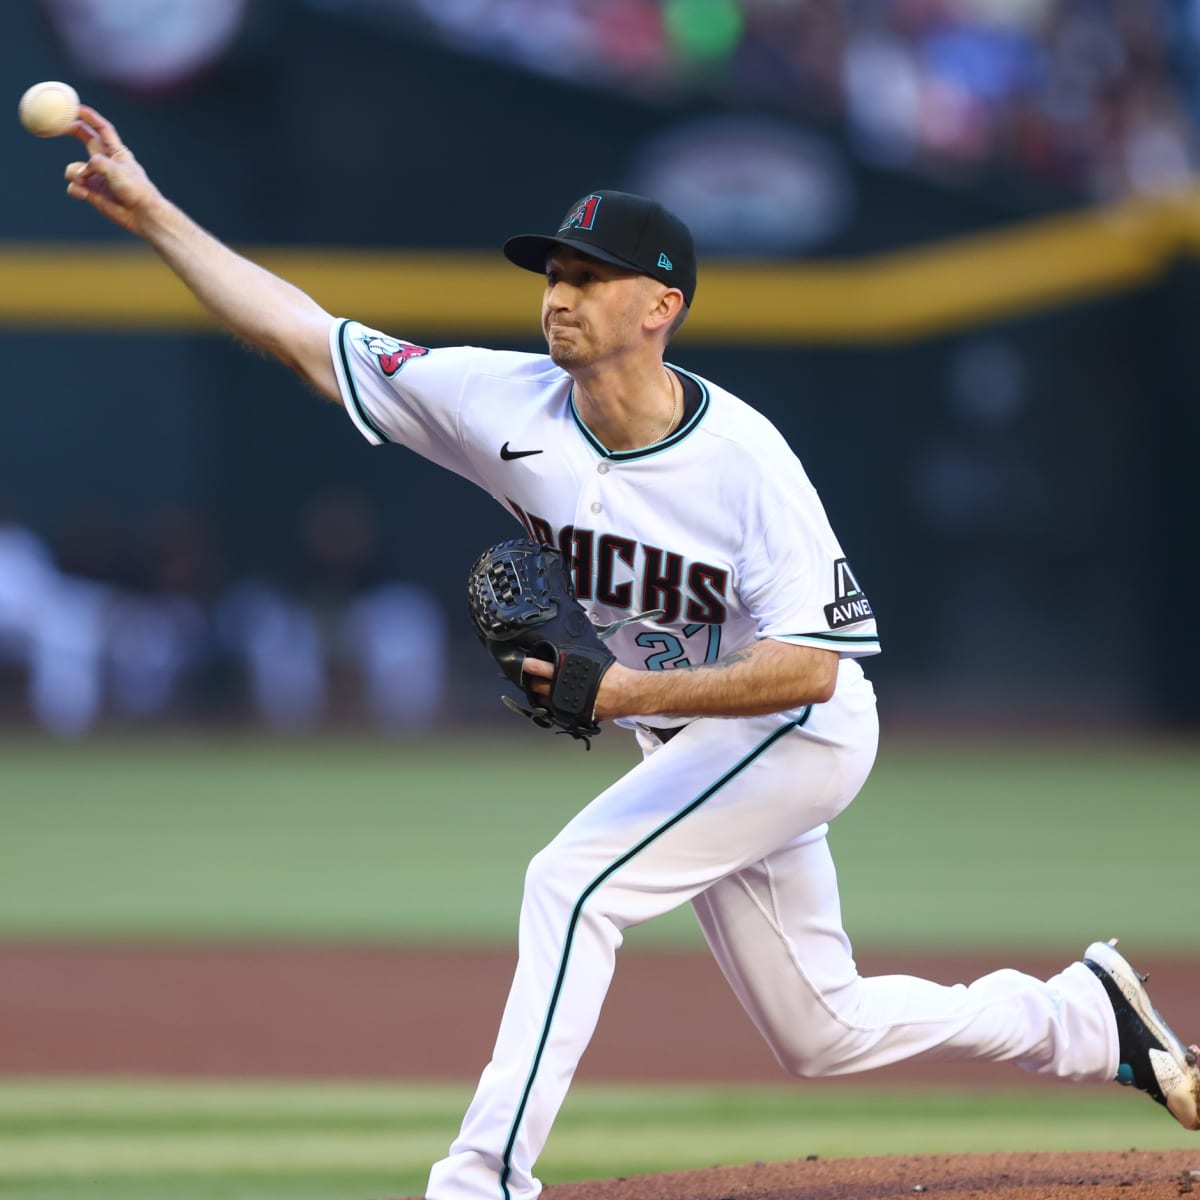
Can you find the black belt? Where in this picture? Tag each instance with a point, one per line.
(665, 735)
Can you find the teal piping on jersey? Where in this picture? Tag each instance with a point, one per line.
(361, 412)
(608, 871)
(863, 639)
(656, 447)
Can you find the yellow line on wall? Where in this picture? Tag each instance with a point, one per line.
(122, 287)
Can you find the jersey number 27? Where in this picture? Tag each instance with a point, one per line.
(671, 651)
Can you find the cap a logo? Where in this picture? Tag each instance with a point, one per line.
(583, 215)
(393, 353)
(665, 263)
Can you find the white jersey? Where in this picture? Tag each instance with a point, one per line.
(717, 525)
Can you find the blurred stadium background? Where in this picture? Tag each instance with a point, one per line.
(947, 245)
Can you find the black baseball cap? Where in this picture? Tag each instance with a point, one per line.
(622, 229)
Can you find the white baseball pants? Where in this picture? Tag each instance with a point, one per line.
(732, 815)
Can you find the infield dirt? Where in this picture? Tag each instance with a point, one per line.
(387, 1013)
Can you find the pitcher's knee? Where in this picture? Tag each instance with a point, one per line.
(556, 871)
(815, 1048)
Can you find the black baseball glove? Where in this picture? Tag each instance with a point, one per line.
(522, 604)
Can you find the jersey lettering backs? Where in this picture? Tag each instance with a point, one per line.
(696, 593)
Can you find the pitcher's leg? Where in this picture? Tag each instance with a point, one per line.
(775, 928)
(691, 813)
(567, 952)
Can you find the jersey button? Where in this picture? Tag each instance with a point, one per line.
(597, 506)
(603, 468)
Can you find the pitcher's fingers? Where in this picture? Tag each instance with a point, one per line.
(538, 667)
(93, 172)
(78, 172)
(110, 140)
(87, 134)
(79, 191)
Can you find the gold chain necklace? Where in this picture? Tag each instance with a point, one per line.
(677, 398)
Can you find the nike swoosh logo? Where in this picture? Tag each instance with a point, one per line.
(508, 455)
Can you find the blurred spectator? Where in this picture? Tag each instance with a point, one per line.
(157, 630)
(151, 642)
(283, 632)
(276, 639)
(27, 573)
(396, 636)
(69, 637)
(66, 663)
(27, 579)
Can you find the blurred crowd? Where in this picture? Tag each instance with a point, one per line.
(1094, 97)
(116, 626)
(1097, 98)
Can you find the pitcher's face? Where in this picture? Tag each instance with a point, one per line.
(592, 310)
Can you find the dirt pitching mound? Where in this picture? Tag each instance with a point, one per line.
(1128, 1175)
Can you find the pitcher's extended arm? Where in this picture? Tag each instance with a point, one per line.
(256, 306)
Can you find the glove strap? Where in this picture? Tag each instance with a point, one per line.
(577, 679)
(542, 717)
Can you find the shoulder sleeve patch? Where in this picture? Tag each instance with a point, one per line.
(391, 353)
(850, 604)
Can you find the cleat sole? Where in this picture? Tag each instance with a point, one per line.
(1175, 1066)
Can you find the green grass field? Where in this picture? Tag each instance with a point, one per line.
(62, 1141)
(955, 845)
(993, 845)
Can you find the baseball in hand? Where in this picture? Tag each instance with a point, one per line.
(49, 109)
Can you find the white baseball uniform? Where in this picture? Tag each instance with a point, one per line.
(718, 526)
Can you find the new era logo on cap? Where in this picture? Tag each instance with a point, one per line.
(620, 228)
